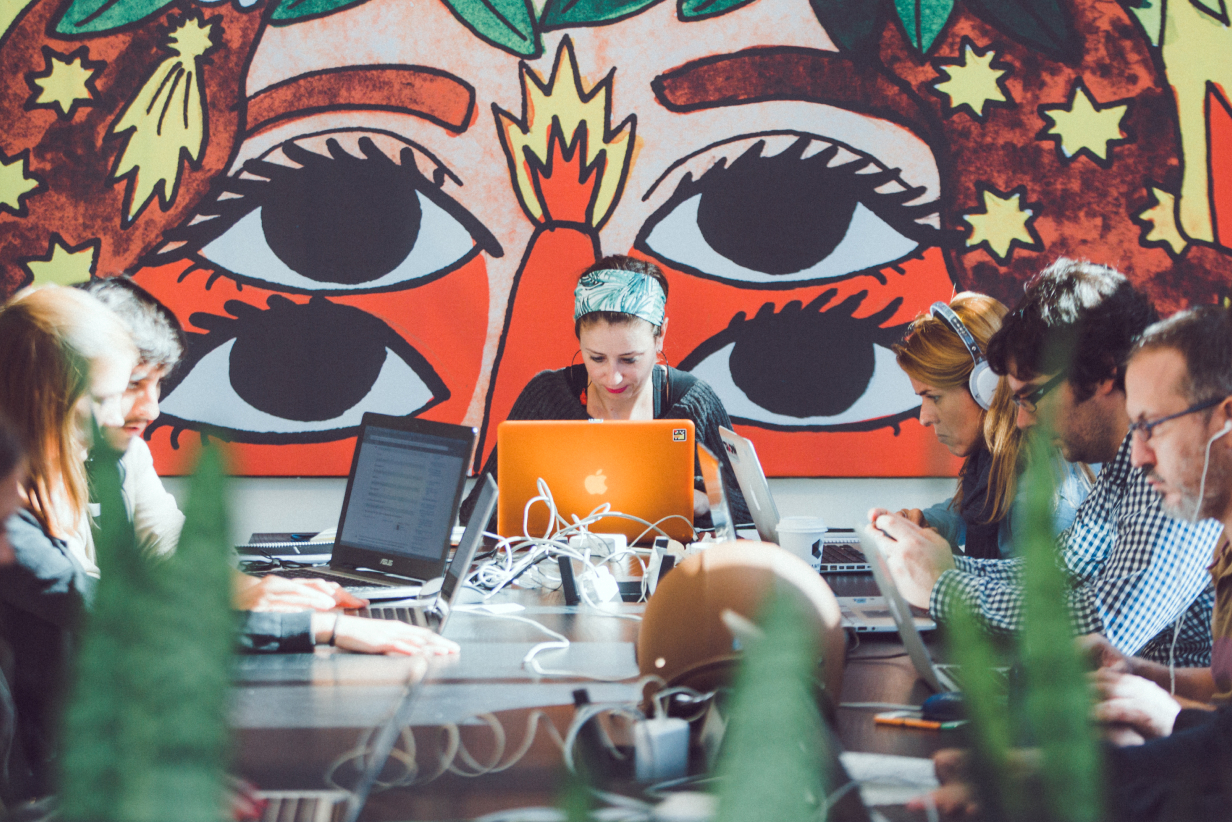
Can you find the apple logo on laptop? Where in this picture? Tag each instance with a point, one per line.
(596, 483)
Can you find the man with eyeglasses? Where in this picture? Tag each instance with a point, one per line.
(1137, 575)
(1178, 387)
(1179, 396)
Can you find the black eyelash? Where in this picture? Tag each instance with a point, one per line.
(221, 212)
(889, 206)
(841, 339)
(730, 188)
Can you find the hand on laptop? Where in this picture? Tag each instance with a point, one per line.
(1102, 653)
(1131, 700)
(379, 636)
(955, 799)
(916, 557)
(273, 593)
(915, 516)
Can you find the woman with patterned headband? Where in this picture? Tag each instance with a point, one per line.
(620, 321)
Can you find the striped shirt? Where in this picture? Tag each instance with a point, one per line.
(1136, 575)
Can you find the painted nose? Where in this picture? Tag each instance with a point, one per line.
(539, 330)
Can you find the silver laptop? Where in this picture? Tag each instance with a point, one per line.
(436, 614)
(838, 553)
(938, 677)
(712, 478)
(401, 500)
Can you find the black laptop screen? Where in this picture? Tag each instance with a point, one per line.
(403, 492)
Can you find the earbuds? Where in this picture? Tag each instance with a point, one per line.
(1206, 464)
(983, 380)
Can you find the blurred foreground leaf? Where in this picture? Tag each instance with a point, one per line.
(774, 752)
(144, 732)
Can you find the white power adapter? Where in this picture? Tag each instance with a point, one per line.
(660, 749)
(599, 546)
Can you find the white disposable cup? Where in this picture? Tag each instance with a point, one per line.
(802, 536)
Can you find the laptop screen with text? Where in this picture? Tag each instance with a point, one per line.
(403, 492)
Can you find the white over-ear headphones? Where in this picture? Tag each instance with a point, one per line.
(983, 382)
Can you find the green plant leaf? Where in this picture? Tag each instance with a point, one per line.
(774, 751)
(295, 11)
(1044, 25)
(1058, 699)
(702, 9)
(94, 16)
(560, 14)
(923, 20)
(145, 736)
(990, 733)
(852, 24)
(506, 24)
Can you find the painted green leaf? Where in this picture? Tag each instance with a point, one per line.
(506, 24)
(94, 16)
(560, 14)
(702, 9)
(923, 20)
(1151, 17)
(295, 11)
(853, 24)
(1044, 25)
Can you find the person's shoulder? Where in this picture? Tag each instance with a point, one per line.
(547, 396)
(137, 454)
(693, 391)
(22, 524)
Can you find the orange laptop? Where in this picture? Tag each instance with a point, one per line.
(642, 468)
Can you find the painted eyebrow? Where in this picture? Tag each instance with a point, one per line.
(791, 73)
(434, 95)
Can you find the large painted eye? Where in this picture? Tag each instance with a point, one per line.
(308, 370)
(802, 368)
(815, 211)
(317, 216)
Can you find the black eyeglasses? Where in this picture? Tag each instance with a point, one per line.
(1145, 428)
(1030, 402)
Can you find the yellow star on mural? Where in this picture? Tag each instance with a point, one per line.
(1003, 222)
(63, 266)
(1084, 125)
(65, 82)
(14, 184)
(974, 82)
(1161, 217)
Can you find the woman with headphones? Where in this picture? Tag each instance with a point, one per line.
(972, 412)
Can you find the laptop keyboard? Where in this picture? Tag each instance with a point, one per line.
(303, 806)
(313, 573)
(1000, 676)
(394, 612)
(844, 553)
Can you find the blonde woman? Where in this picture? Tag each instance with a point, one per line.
(973, 414)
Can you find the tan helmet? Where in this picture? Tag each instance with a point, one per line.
(686, 640)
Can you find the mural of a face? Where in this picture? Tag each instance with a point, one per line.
(398, 219)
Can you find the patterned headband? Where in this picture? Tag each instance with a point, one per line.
(625, 292)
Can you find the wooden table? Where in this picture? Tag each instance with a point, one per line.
(297, 716)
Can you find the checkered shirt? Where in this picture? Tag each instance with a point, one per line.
(1134, 572)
